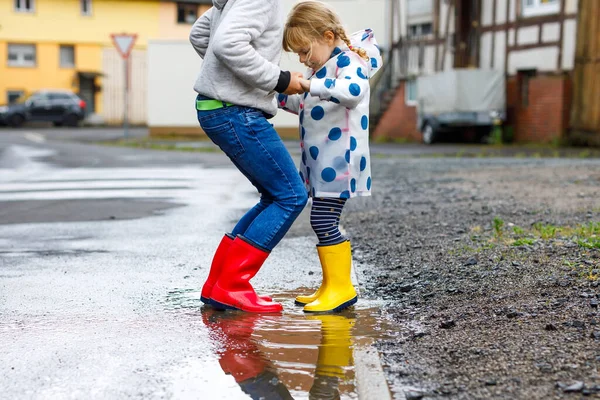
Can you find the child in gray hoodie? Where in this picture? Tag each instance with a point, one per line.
(240, 43)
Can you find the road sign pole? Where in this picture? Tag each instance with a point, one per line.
(126, 98)
(124, 43)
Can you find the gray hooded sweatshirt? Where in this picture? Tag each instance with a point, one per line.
(240, 42)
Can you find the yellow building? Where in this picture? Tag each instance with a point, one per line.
(66, 44)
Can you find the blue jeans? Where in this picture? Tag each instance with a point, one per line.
(254, 147)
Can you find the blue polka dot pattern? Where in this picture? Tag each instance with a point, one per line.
(335, 134)
(347, 156)
(336, 51)
(301, 117)
(314, 152)
(365, 36)
(354, 89)
(329, 83)
(353, 185)
(328, 174)
(345, 195)
(363, 163)
(303, 133)
(334, 100)
(302, 176)
(353, 143)
(369, 183)
(364, 122)
(343, 61)
(322, 73)
(304, 157)
(282, 98)
(361, 74)
(347, 77)
(317, 113)
(306, 95)
(374, 62)
(307, 173)
(313, 192)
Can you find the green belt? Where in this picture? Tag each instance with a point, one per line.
(209, 105)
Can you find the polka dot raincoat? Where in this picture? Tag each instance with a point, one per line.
(334, 122)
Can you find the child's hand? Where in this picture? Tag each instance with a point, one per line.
(305, 85)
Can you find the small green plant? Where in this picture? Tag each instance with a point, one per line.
(523, 242)
(518, 230)
(590, 243)
(545, 231)
(498, 224)
(496, 137)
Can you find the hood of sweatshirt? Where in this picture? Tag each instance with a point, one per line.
(365, 39)
(219, 4)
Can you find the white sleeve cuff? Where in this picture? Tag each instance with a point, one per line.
(318, 89)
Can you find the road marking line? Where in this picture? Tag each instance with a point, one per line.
(35, 137)
(371, 383)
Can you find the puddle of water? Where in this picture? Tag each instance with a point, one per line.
(289, 356)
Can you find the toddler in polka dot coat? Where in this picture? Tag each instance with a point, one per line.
(334, 132)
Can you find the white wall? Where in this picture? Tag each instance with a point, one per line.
(113, 86)
(542, 59)
(173, 69)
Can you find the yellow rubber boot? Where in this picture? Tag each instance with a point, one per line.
(337, 292)
(304, 300)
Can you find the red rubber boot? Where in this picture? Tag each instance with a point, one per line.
(233, 291)
(216, 267)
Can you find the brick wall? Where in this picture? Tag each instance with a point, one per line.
(545, 117)
(399, 121)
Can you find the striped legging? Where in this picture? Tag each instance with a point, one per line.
(325, 220)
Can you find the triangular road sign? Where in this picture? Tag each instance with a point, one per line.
(124, 43)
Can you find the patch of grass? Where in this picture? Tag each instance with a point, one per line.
(588, 230)
(517, 230)
(589, 243)
(524, 241)
(585, 154)
(545, 231)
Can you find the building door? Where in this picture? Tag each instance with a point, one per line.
(585, 112)
(87, 92)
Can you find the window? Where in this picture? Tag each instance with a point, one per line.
(21, 55)
(187, 13)
(418, 30)
(25, 5)
(13, 95)
(60, 97)
(86, 7)
(67, 56)
(410, 88)
(533, 8)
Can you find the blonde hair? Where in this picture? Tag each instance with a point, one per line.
(308, 21)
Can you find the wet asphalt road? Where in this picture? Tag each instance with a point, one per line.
(103, 252)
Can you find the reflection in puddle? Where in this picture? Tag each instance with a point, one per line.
(293, 355)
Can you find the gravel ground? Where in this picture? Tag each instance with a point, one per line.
(492, 270)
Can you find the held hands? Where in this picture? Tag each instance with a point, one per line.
(297, 84)
(305, 83)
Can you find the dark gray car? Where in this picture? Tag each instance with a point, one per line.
(61, 107)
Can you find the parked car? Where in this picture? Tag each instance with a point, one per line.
(61, 107)
(457, 100)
